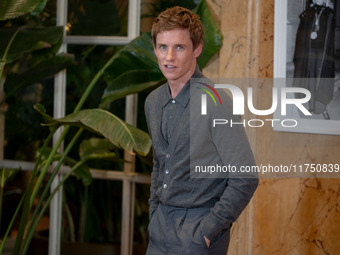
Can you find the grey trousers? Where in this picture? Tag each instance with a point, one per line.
(175, 231)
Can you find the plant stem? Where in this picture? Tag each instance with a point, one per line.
(47, 164)
(53, 175)
(92, 83)
(26, 200)
(35, 170)
(31, 232)
(10, 225)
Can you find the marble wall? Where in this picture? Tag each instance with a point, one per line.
(286, 216)
(297, 216)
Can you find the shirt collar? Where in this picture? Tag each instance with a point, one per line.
(184, 95)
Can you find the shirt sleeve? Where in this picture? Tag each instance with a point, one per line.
(233, 148)
(153, 200)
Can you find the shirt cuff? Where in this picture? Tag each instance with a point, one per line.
(209, 228)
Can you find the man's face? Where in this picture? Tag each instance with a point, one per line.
(176, 56)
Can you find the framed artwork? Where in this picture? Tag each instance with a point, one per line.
(306, 57)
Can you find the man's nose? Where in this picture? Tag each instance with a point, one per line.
(170, 55)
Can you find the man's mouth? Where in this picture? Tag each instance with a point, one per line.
(170, 66)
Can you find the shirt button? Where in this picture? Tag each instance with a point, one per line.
(170, 116)
(167, 171)
(165, 186)
(173, 101)
(167, 156)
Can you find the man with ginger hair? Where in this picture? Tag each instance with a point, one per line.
(190, 215)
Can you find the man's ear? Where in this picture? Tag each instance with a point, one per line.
(198, 50)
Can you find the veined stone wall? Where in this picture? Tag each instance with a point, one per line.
(286, 216)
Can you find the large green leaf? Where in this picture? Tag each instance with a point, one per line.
(133, 81)
(135, 67)
(44, 69)
(136, 55)
(108, 125)
(28, 40)
(41, 109)
(39, 8)
(96, 148)
(10, 9)
(212, 35)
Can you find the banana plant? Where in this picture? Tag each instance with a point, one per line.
(99, 121)
(24, 40)
(18, 42)
(131, 70)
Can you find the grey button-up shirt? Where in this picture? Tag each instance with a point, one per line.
(172, 111)
(171, 125)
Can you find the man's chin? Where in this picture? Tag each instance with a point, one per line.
(170, 76)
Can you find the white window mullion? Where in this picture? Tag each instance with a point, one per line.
(59, 105)
(96, 40)
(56, 202)
(134, 19)
(128, 199)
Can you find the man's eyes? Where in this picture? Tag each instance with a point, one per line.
(164, 47)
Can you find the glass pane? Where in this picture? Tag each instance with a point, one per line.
(97, 17)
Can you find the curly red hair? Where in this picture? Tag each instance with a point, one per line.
(182, 18)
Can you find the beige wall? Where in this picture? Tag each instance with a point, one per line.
(286, 216)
